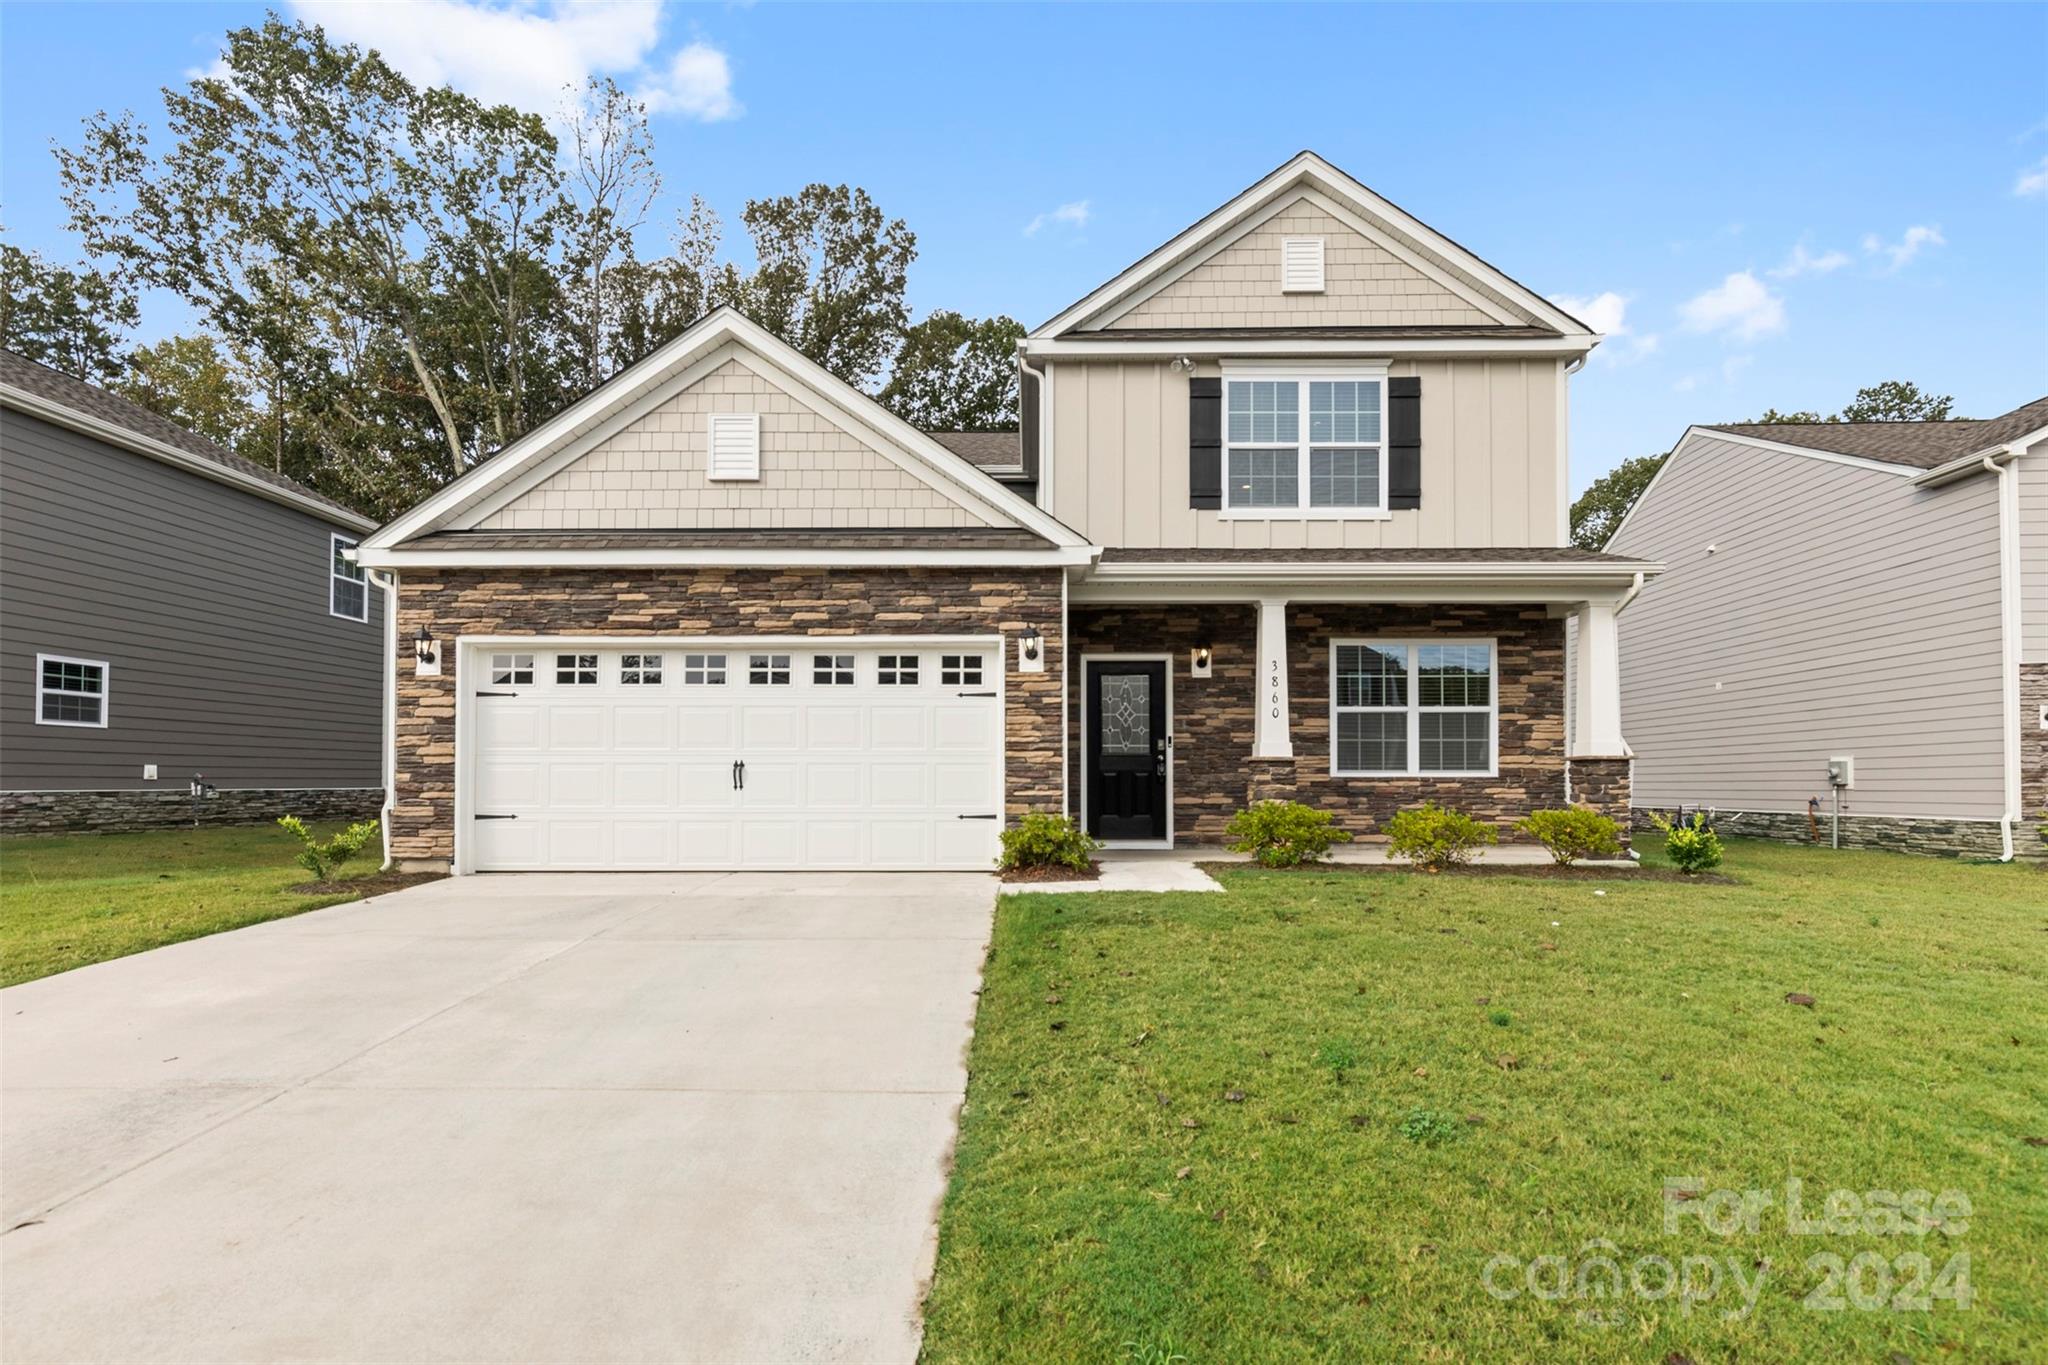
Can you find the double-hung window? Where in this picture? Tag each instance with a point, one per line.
(1307, 445)
(71, 691)
(1422, 708)
(348, 596)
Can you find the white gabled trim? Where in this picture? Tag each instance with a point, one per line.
(770, 558)
(1110, 346)
(1311, 170)
(571, 429)
(58, 414)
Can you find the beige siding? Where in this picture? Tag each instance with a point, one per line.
(651, 474)
(1489, 461)
(2033, 490)
(1842, 611)
(1364, 285)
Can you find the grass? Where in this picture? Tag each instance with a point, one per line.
(71, 899)
(1297, 1121)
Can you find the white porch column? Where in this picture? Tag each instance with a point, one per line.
(1274, 738)
(1596, 674)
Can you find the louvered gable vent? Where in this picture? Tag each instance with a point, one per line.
(1301, 265)
(735, 445)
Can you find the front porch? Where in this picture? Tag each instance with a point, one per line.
(1357, 691)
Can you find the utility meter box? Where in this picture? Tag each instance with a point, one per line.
(1841, 772)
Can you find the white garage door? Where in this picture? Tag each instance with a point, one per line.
(834, 755)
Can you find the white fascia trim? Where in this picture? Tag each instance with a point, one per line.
(58, 414)
(1622, 575)
(720, 326)
(1386, 347)
(767, 558)
(1310, 168)
(1964, 466)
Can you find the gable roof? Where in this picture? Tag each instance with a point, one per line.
(1306, 174)
(993, 450)
(36, 389)
(723, 332)
(1918, 445)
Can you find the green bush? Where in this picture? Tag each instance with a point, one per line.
(1579, 832)
(1430, 1128)
(1284, 833)
(1435, 837)
(323, 860)
(1040, 840)
(1690, 844)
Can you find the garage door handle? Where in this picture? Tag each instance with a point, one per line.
(739, 775)
(974, 694)
(494, 817)
(977, 817)
(497, 694)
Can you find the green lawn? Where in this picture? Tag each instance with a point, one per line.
(71, 899)
(1113, 1200)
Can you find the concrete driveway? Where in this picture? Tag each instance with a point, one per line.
(538, 1118)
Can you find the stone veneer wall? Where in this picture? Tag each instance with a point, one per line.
(1603, 784)
(700, 602)
(1889, 834)
(2027, 840)
(1214, 773)
(111, 812)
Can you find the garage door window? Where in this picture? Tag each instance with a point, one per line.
(512, 670)
(896, 670)
(832, 670)
(768, 670)
(640, 670)
(960, 670)
(703, 670)
(576, 670)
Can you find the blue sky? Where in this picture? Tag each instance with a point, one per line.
(1768, 206)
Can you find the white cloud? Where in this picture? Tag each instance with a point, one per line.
(1804, 262)
(1734, 365)
(2033, 181)
(526, 53)
(1074, 215)
(1741, 305)
(1902, 252)
(1607, 314)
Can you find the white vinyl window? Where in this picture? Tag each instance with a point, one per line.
(896, 670)
(640, 670)
(768, 670)
(1305, 446)
(703, 670)
(348, 595)
(832, 670)
(512, 670)
(1423, 708)
(576, 670)
(960, 670)
(71, 691)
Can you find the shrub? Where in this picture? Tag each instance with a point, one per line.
(1691, 844)
(1570, 835)
(1041, 840)
(1284, 833)
(1434, 837)
(324, 859)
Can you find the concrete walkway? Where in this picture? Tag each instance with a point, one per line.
(538, 1118)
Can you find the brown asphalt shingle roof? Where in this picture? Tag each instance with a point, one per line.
(983, 449)
(56, 387)
(837, 538)
(1922, 445)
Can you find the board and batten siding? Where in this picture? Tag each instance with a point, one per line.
(208, 604)
(1842, 611)
(2033, 538)
(1490, 461)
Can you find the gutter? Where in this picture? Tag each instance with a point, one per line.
(389, 583)
(1223, 570)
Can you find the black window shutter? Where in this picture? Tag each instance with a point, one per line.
(1404, 443)
(1205, 443)
(1027, 423)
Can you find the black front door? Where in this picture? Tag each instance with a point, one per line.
(1127, 758)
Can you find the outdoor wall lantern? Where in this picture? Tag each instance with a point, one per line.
(1031, 651)
(1199, 659)
(426, 654)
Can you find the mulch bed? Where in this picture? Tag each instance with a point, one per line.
(1053, 874)
(1543, 871)
(376, 884)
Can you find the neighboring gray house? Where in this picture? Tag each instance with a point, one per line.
(169, 610)
(1870, 591)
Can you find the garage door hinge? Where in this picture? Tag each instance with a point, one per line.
(494, 817)
(980, 817)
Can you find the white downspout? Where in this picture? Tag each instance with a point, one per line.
(2008, 640)
(1042, 493)
(389, 583)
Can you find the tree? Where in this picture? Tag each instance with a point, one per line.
(956, 373)
(612, 172)
(70, 320)
(1773, 418)
(1601, 507)
(1897, 400)
(192, 382)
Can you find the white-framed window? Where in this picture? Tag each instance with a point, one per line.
(1413, 708)
(733, 443)
(348, 594)
(640, 670)
(576, 670)
(703, 670)
(71, 691)
(896, 670)
(960, 670)
(768, 670)
(512, 670)
(1309, 445)
(832, 670)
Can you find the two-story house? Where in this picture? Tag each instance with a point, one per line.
(1286, 517)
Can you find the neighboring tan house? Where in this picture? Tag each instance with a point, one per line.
(1876, 592)
(171, 612)
(1286, 517)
